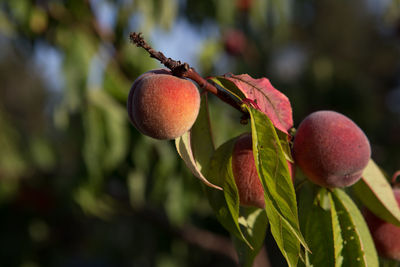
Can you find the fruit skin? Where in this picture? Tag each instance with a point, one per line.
(251, 191)
(386, 236)
(331, 149)
(163, 106)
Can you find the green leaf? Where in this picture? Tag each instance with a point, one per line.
(254, 223)
(306, 195)
(115, 83)
(321, 228)
(94, 146)
(115, 126)
(358, 246)
(184, 148)
(168, 10)
(280, 198)
(201, 136)
(229, 86)
(80, 49)
(283, 139)
(42, 153)
(225, 203)
(337, 234)
(102, 206)
(376, 194)
(196, 146)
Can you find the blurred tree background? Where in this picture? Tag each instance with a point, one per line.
(79, 186)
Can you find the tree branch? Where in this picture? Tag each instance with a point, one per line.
(195, 236)
(184, 70)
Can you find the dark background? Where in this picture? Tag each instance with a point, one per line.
(79, 186)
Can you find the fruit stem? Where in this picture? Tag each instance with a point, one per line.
(184, 70)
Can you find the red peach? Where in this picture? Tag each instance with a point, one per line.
(251, 191)
(386, 235)
(331, 149)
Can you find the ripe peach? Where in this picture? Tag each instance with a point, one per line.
(251, 191)
(163, 106)
(386, 235)
(331, 149)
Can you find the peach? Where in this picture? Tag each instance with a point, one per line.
(331, 149)
(163, 106)
(386, 236)
(251, 191)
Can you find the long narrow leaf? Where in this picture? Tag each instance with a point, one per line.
(320, 226)
(376, 194)
(196, 146)
(201, 136)
(254, 224)
(225, 203)
(336, 233)
(281, 205)
(183, 146)
(358, 246)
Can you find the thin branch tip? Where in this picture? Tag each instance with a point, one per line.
(137, 39)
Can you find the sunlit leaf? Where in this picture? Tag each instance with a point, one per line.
(285, 143)
(183, 146)
(196, 146)
(280, 198)
(201, 136)
(269, 100)
(376, 194)
(254, 224)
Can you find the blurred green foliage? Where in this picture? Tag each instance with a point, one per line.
(79, 186)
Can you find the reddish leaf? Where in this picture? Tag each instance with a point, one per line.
(270, 101)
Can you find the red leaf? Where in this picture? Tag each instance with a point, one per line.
(272, 102)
